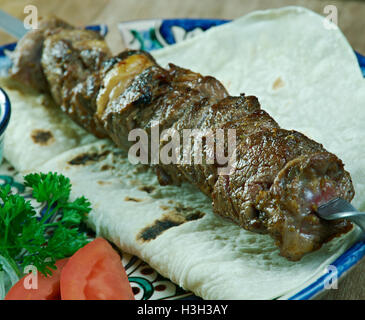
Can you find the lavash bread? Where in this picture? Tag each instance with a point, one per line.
(305, 77)
(38, 130)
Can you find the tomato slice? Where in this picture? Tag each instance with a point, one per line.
(95, 272)
(48, 287)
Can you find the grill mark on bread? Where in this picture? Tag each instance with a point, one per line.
(278, 83)
(42, 137)
(106, 167)
(174, 217)
(148, 189)
(102, 183)
(133, 199)
(85, 158)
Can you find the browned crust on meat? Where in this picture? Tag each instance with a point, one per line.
(279, 178)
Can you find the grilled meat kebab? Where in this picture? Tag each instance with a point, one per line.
(280, 176)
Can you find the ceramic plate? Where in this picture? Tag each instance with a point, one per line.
(151, 35)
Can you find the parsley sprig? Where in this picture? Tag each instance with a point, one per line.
(29, 239)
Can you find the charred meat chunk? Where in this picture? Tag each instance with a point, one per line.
(278, 177)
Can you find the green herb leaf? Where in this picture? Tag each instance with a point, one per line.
(26, 239)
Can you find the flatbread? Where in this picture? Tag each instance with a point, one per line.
(38, 130)
(214, 258)
(305, 75)
(306, 78)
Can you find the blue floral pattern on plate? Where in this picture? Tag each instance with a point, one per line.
(154, 34)
(149, 35)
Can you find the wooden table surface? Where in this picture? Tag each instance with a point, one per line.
(351, 20)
